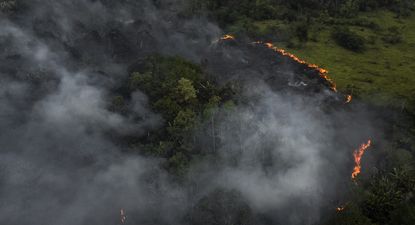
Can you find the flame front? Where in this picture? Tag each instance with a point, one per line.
(357, 154)
(323, 72)
(123, 217)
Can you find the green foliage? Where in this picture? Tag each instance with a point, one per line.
(385, 193)
(400, 7)
(184, 122)
(263, 10)
(181, 93)
(212, 106)
(351, 214)
(393, 35)
(348, 39)
(162, 148)
(178, 163)
(118, 101)
(301, 31)
(168, 106)
(118, 104)
(381, 200)
(139, 80)
(382, 74)
(404, 214)
(185, 90)
(228, 12)
(229, 105)
(349, 8)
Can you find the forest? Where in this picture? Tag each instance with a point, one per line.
(203, 112)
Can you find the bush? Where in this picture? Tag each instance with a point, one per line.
(301, 31)
(348, 39)
(393, 35)
(402, 8)
(386, 193)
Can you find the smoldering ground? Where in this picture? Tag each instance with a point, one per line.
(282, 150)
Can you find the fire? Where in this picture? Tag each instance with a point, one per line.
(340, 208)
(357, 154)
(348, 98)
(323, 72)
(123, 216)
(227, 37)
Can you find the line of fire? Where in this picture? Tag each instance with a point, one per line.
(358, 153)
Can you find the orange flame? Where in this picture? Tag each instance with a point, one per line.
(227, 37)
(348, 99)
(357, 154)
(323, 72)
(123, 216)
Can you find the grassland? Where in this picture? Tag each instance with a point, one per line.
(383, 74)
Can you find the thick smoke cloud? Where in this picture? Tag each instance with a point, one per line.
(60, 164)
(286, 154)
(59, 63)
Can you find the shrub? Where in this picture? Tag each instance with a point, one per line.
(393, 35)
(348, 39)
(301, 31)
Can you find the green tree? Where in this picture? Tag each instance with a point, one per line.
(181, 93)
(301, 31)
(142, 81)
(184, 121)
(118, 104)
(178, 163)
(351, 215)
(349, 8)
(185, 90)
(348, 39)
(404, 214)
(385, 193)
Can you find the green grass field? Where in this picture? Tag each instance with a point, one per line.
(383, 74)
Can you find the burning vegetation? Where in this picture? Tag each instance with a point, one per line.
(340, 208)
(349, 98)
(166, 114)
(358, 154)
(227, 37)
(322, 72)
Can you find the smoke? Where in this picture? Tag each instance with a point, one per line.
(60, 61)
(285, 153)
(60, 163)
